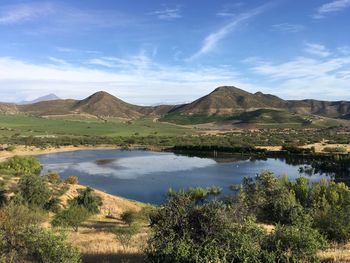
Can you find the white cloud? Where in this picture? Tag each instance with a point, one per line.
(331, 7)
(303, 77)
(136, 79)
(287, 27)
(211, 41)
(15, 14)
(168, 13)
(317, 49)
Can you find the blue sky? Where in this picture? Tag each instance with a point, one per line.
(151, 52)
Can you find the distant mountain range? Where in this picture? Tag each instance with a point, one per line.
(48, 97)
(223, 101)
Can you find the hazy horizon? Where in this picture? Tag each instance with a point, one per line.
(156, 52)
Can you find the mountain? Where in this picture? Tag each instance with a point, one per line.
(103, 104)
(48, 97)
(227, 100)
(224, 103)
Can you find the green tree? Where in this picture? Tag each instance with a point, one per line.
(72, 217)
(34, 191)
(88, 199)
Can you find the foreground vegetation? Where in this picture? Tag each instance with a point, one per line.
(266, 219)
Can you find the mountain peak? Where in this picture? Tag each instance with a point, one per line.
(227, 88)
(48, 97)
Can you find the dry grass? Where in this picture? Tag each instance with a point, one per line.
(337, 253)
(319, 147)
(94, 238)
(22, 150)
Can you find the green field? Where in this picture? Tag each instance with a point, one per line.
(36, 126)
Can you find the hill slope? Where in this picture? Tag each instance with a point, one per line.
(228, 100)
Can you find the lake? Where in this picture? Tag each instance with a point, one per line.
(146, 176)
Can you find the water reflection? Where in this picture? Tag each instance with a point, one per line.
(146, 176)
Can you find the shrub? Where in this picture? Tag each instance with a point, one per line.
(54, 178)
(53, 205)
(295, 243)
(71, 180)
(33, 191)
(11, 148)
(46, 246)
(21, 165)
(23, 240)
(335, 149)
(269, 198)
(184, 231)
(129, 217)
(88, 199)
(71, 217)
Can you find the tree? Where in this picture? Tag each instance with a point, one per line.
(125, 234)
(88, 199)
(33, 190)
(129, 217)
(71, 217)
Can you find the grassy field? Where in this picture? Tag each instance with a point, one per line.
(37, 126)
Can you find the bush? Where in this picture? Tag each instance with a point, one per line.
(21, 165)
(331, 210)
(88, 199)
(54, 178)
(184, 231)
(129, 217)
(53, 205)
(23, 240)
(71, 180)
(11, 148)
(33, 191)
(71, 217)
(269, 198)
(46, 246)
(335, 149)
(296, 243)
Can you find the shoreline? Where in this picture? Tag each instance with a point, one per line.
(22, 150)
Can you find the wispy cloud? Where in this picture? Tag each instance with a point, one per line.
(317, 49)
(331, 7)
(211, 41)
(58, 61)
(304, 77)
(229, 10)
(287, 27)
(16, 14)
(168, 13)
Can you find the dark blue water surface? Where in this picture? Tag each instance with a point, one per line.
(146, 176)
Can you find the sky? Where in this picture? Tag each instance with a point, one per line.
(153, 52)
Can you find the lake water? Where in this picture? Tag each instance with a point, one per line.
(146, 176)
